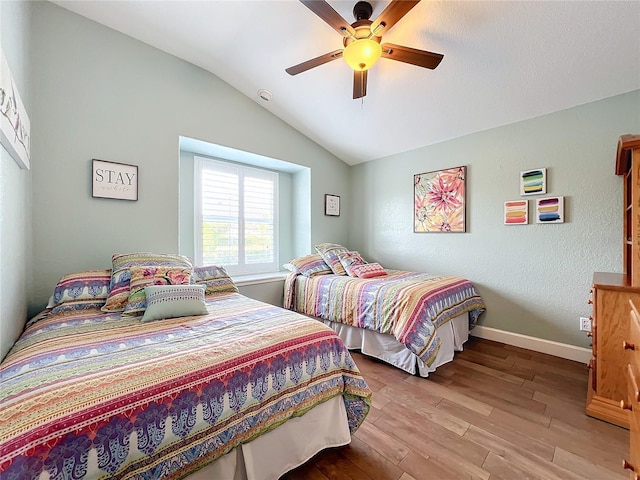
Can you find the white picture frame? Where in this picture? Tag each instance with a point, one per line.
(114, 180)
(533, 182)
(15, 126)
(550, 210)
(516, 212)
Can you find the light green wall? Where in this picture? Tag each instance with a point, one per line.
(94, 93)
(101, 94)
(535, 278)
(15, 186)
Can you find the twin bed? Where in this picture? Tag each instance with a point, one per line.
(154, 369)
(414, 321)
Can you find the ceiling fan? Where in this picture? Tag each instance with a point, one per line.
(362, 41)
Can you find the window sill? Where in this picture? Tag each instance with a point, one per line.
(258, 278)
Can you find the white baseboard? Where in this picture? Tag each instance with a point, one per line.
(563, 350)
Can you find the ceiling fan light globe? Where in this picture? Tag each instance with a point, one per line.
(362, 54)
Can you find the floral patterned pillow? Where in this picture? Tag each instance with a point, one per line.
(121, 276)
(146, 276)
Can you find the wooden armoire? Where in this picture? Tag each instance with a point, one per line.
(611, 294)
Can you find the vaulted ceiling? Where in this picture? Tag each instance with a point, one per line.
(504, 61)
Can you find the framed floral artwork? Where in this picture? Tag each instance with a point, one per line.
(439, 201)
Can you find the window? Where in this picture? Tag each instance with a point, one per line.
(236, 221)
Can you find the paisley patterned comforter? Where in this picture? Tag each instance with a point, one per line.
(408, 305)
(91, 395)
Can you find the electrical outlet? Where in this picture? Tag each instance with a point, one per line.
(585, 324)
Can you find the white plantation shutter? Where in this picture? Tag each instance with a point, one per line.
(236, 217)
(259, 214)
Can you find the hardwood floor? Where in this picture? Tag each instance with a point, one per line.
(496, 412)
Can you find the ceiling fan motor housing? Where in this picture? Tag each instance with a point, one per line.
(362, 11)
(363, 30)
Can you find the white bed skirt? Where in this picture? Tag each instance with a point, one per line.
(452, 334)
(290, 445)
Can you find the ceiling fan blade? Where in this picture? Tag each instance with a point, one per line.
(421, 58)
(314, 62)
(359, 84)
(330, 16)
(391, 15)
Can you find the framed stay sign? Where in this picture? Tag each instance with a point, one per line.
(114, 180)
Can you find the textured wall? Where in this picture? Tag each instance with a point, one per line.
(15, 186)
(535, 278)
(104, 95)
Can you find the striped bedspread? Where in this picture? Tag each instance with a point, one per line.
(92, 395)
(408, 305)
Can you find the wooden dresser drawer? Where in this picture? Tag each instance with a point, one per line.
(633, 405)
(632, 402)
(632, 344)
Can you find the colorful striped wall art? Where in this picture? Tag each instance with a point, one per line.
(533, 182)
(550, 210)
(516, 212)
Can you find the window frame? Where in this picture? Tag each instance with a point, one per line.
(242, 268)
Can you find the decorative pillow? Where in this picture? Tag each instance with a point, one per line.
(142, 277)
(368, 270)
(214, 278)
(309, 265)
(80, 290)
(329, 253)
(349, 260)
(171, 301)
(120, 276)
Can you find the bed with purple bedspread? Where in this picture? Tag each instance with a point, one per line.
(87, 394)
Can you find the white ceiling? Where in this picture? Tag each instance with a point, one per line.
(504, 61)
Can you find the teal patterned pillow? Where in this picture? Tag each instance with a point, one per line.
(172, 301)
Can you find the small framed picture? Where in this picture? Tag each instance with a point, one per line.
(516, 212)
(533, 182)
(550, 210)
(332, 205)
(114, 180)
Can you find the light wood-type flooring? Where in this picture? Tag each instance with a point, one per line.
(496, 412)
